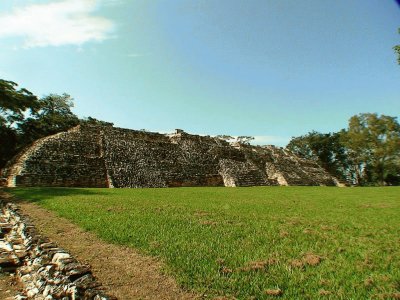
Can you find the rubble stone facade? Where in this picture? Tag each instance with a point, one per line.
(105, 156)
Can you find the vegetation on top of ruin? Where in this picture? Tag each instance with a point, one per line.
(247, 243)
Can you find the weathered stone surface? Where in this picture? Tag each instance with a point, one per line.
(104, 156)
(70, 158)
(45, 271)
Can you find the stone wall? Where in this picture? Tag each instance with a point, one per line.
(44, 270)
(105, 156)
(288, 169)
(72, 158)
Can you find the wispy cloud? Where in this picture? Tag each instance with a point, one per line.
(58, 23)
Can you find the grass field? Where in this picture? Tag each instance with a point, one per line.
(251, 243)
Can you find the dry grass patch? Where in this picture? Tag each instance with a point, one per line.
(225, 270)
(309, 231)
(294, 221)
(259, 265)
(201, 213)
(283, 233)
(208, 222)
(324, 282)
(324, 293)
(327, 228)
(312, 259)
(369, 282)
(116, 209)
(297, 263)
(309, 259)
(274, 292)
(387, 296)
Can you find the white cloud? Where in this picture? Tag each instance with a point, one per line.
(67, 22)
(270, 140)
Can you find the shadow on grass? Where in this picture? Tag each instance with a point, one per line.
(38, 194)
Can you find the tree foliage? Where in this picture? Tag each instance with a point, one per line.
(15, 103)
(8, 144)
(54, 116)
(94, 121)
(244, 139)
(367, 152)
(325, 148)
(225, 137)
(25, 118)
(373, 144)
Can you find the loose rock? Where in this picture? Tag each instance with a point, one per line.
(45, 271)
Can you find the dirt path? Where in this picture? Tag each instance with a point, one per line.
(8, 289)
(125, 273)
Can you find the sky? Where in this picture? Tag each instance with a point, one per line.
(264, 68)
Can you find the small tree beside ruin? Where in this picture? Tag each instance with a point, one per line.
(244, 139)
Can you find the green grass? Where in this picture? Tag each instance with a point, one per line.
(211, 238)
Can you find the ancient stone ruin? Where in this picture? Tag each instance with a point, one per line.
(105, 156)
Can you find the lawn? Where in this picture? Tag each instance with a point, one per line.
(251, 243)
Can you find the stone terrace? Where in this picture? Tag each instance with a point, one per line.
(105, 156)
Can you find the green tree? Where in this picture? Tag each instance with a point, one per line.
(15, 105)
(94, 121)
(373, 145)
(24, 118)
(54, 116)
(244, 139)
(224, 137)
(325, 148)
(8, 144)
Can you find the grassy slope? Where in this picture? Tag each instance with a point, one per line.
(306, 241)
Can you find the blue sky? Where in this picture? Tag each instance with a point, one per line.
(265, 68)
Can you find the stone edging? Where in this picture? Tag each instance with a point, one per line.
(44, 270)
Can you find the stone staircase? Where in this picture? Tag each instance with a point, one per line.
(252, 178)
